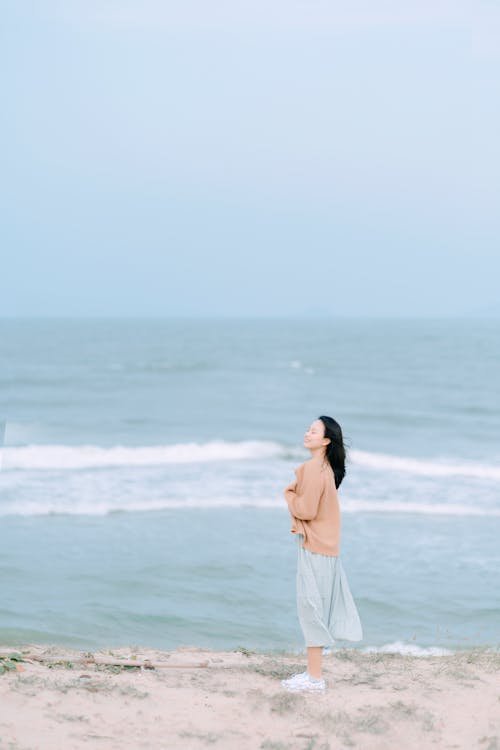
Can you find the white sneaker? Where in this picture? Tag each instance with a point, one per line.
(304, 682)
(294, 679)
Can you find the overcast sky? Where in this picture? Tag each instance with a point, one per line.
(250, 158)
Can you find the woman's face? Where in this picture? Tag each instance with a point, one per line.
(315, 435)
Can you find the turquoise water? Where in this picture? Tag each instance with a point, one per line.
(144, 462)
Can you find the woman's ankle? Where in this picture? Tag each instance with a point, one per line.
(315, 676)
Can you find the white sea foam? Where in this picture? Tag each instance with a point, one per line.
(407, 649)
(102, 508)
(99, 508)
(40, 456)
(397, 647)
(423, 467)
(88, 456)
(400, 506)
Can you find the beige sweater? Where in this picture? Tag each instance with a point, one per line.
(313, 504)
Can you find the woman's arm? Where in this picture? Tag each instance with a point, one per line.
(304, 495)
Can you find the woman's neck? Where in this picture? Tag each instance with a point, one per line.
(318, 454)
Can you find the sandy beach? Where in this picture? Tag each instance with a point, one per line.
(193, 698)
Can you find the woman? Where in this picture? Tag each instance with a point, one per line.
(325, 605)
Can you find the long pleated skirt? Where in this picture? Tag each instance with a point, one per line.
(325, 605)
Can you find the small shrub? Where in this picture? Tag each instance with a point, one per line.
(9, 662)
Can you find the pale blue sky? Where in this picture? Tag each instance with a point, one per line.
(257, 158)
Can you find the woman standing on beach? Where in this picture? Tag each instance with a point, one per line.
(325, 605)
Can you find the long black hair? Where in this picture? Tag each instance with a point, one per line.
(335, 450)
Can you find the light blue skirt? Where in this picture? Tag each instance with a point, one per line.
(325, 605)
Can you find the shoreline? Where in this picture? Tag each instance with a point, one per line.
(402, 648)
(191, 697)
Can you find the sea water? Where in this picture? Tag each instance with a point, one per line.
(144, 462)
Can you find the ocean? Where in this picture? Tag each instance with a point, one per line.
(144, 462)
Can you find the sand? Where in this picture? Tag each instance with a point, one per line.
(236, 701)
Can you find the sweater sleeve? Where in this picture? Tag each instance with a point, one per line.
(303, 496)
